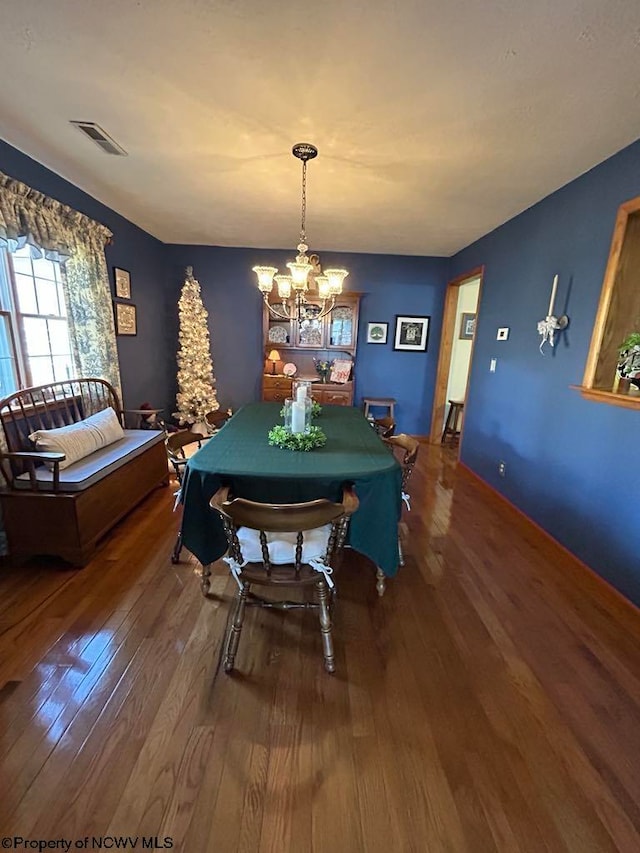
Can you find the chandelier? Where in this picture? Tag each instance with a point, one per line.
(293, 288)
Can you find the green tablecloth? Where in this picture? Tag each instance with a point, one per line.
(240, 456)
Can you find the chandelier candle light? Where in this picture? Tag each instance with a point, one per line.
(551, 324)
(293, 288)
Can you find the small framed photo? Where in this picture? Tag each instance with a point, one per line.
(467, 326)
(411, 334)
(377, 333)
(340, 371)
(126, 319)
(122, 283)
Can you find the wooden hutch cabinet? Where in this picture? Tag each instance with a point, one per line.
(327, 338)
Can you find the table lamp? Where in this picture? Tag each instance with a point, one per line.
(274, 356)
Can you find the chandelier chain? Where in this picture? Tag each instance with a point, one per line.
(303, 236)
(294, 303)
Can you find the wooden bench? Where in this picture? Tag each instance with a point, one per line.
(63, 513)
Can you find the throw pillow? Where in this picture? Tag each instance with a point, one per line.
(79, 440)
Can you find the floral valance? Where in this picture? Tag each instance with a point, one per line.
(30, 217)
(65, 235)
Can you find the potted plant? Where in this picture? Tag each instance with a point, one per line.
(629, 359)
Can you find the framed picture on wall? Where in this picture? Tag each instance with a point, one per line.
(377, 333)
(122, 283)
(412, 333)
(126, 319)
(467, 326)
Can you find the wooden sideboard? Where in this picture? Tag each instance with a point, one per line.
(327, 338)
(276, 389)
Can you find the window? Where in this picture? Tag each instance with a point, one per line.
(34, 332)
(618, 313)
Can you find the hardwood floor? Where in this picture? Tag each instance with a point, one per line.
(489, 702)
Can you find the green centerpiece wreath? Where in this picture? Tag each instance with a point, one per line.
(279, 436)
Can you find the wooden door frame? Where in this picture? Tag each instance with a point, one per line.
(446, 348)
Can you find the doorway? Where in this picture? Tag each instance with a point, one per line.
(462, 301)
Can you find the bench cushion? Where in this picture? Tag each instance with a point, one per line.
(94, 467)
(81, 439)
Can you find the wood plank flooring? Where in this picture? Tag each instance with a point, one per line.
(489, 702)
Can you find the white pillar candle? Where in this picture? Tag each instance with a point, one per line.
(297, 417)
(301, 393)
(553, 296)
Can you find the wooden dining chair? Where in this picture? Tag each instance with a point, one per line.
(216, 420)
(384, 427)
(177, 445)
(405, 449)
(282, 546)
(177, 442)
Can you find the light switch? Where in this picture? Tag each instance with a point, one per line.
(492, 366)
(503, 333)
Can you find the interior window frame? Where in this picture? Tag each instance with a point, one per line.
(16, 322)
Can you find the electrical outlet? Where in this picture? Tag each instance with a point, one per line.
(502, 468)
(492, 365)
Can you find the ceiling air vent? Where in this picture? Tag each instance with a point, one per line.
(97, 134)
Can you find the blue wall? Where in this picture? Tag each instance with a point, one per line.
(572, 465)
(144, 359)
(390, 285)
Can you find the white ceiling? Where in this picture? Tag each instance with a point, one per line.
(436, 120)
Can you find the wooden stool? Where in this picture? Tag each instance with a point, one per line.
(387, 402)
(451, 428)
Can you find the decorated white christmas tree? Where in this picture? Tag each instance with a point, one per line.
(196, 383)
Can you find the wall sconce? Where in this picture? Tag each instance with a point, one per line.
(550, 325)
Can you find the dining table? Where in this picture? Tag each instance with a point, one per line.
(239, 456)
